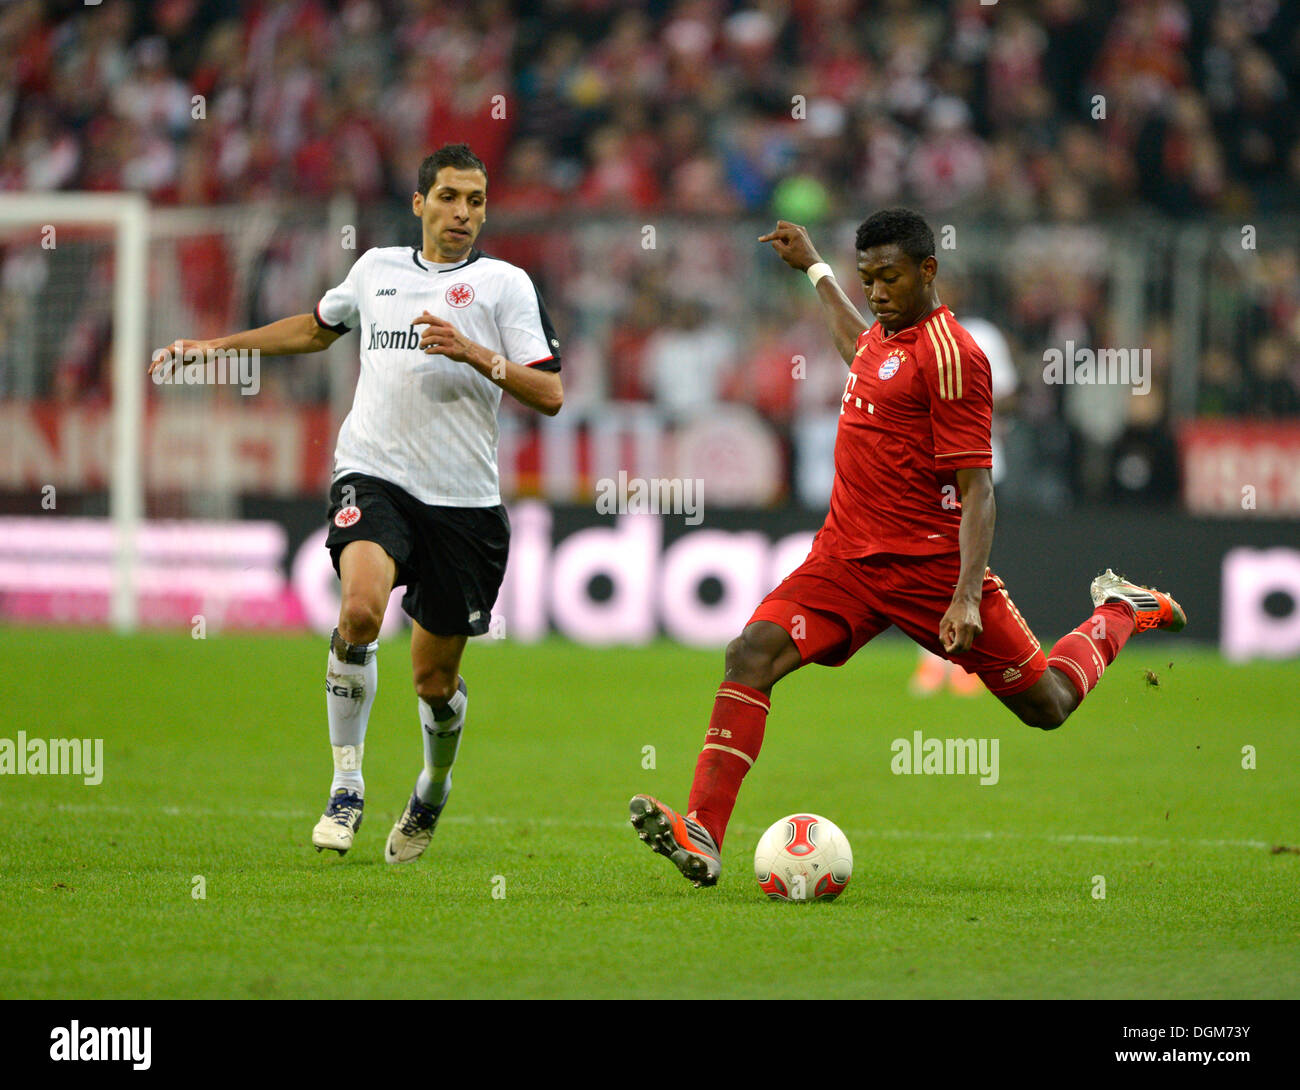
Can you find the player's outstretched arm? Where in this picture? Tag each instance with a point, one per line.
(540, 390)
(287, 337)
(961, 623)
(795, 248)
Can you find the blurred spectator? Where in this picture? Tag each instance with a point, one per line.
(151, 96)
(1258, 127)
(1145, 459)
(771, 368)
(631, 331)
(687, 359)
(615, 181)
(1221, 389)
(948, 163)
(1272, 389)
(1178, 158)
(528, 183)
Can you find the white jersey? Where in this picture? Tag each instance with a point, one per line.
(426, 423)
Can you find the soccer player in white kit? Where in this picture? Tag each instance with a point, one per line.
(415, 499)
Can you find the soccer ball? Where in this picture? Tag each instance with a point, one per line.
(803, 857)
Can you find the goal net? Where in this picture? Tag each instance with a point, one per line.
(130, 500)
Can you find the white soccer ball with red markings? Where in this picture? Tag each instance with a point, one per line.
(803, 857)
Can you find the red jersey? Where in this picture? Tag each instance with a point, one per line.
(917, 406)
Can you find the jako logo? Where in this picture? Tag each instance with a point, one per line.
(394, 338)
(386, 291)
(76, 1042)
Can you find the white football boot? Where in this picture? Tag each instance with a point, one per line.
(413, 831)
(338, 826)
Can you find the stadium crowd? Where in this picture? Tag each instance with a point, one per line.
(1049, 120)
(684, 106)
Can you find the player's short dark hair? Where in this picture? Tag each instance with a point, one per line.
(899, 227)
(449, 155)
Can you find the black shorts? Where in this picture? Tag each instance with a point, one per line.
(450, 559)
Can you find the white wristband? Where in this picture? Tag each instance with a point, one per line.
(816, 272)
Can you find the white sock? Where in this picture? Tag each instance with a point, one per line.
(349, 693)
(442, 729)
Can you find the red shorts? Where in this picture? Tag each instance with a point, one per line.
(831, 607)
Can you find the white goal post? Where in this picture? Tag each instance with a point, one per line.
(128, 215)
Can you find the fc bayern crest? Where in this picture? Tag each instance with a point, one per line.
(460, 295)
(890, 367)
(347, 516)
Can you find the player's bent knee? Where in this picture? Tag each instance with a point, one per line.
(753, 659)
(1044, 716)
(360, 619)
(435, 687)
(747, 664)
(1045, 705)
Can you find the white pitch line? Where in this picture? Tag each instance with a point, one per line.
(868, 834)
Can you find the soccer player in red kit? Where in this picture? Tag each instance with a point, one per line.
(906, 541)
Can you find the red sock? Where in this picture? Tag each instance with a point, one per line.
(1083, 655)
(731, 746)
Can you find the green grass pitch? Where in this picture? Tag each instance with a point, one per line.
(216, 765)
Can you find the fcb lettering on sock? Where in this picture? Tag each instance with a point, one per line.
(1083, 655)
(731, 745)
